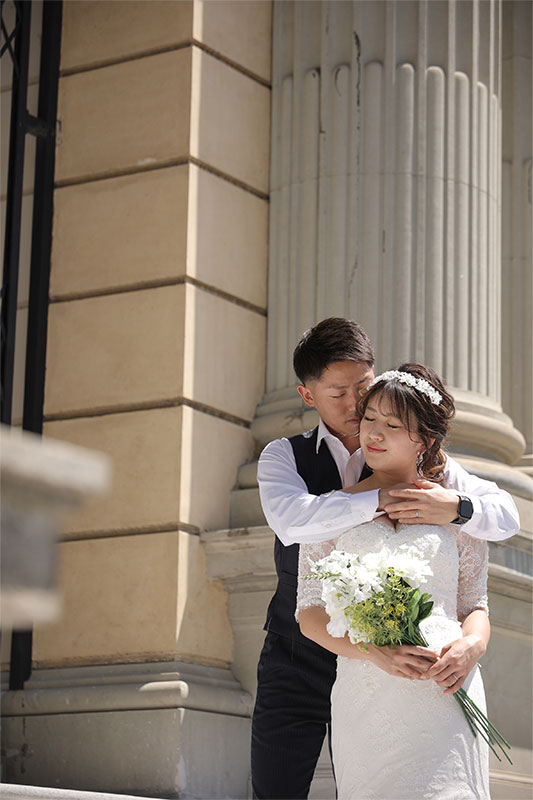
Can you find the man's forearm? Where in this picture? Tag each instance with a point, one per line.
(302, 518)
(295, 515)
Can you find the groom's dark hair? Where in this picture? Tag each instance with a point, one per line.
(332, 339)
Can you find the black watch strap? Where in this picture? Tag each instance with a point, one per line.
(465, 510)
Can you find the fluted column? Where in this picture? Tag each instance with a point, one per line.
(386, 206)
(517, 267)
(386, 196)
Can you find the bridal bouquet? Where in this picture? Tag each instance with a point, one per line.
(376, 599)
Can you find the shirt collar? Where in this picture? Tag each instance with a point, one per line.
(322, 433)
(325, 433)
(337, 448)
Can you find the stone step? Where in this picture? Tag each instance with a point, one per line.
(12, 791)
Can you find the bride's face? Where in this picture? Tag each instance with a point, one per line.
(386, 443)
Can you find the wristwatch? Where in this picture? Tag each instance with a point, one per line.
(465, 509)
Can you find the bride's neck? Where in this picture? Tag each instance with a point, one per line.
(386, 479)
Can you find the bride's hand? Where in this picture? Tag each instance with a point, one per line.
(455, 662)
(404, 661)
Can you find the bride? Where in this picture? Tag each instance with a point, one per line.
(396, 730)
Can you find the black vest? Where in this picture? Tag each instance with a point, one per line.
(320, 474)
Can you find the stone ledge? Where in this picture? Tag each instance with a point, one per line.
(512, 479)
(17, 792)
(510, 583)
(129, 687)
(237, 553)
(243, 560)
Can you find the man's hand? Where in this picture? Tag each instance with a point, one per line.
(428, 503)
(385, 496)
(455, 662)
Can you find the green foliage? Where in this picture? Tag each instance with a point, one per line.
(392, 616)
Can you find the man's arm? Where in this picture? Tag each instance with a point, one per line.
(297, 516)
(495, 514)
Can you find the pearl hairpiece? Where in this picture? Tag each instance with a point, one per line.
(405, 377)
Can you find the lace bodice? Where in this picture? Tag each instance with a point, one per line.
(458, 561)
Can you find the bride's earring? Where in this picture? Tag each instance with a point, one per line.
(419, 463)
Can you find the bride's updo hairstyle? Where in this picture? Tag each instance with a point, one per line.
(417, 410)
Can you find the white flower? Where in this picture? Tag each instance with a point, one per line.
(378, 562)
(352, 579)
(409, 564)
(356, 636)
(337, 625)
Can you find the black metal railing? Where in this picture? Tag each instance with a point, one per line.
(16, 45)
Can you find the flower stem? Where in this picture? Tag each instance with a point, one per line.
(477, 720)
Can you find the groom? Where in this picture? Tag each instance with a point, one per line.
(300, 482)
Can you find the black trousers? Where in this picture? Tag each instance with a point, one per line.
(291, 716)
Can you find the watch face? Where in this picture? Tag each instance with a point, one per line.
(466, 509)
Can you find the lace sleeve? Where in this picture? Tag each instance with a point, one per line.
(473, 571)
(310, 591)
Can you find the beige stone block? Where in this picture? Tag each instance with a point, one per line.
(120, 231)
(169, 465)
(115, 351)
(145, 452)
(228, 237)
(119, 601)
(230, 121)
(203, 631)
(224, 354)
(124, 117)
(240, 30)
(100, 31)
(136, 598)
(212, 451)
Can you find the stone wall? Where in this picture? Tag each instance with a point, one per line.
(155, 355)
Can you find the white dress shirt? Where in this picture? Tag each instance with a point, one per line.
(298, 517)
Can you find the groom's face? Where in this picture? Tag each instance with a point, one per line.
(336, 393)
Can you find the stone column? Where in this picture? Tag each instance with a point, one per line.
(386, 207)
(385, 195)
(158, 299)
(517, 267)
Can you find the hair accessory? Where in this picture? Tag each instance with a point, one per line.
(415, 383)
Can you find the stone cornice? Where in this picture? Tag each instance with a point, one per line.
(243, 559)
(510, 583)
(127, 687)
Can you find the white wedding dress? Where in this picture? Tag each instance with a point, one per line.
(394, 738)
